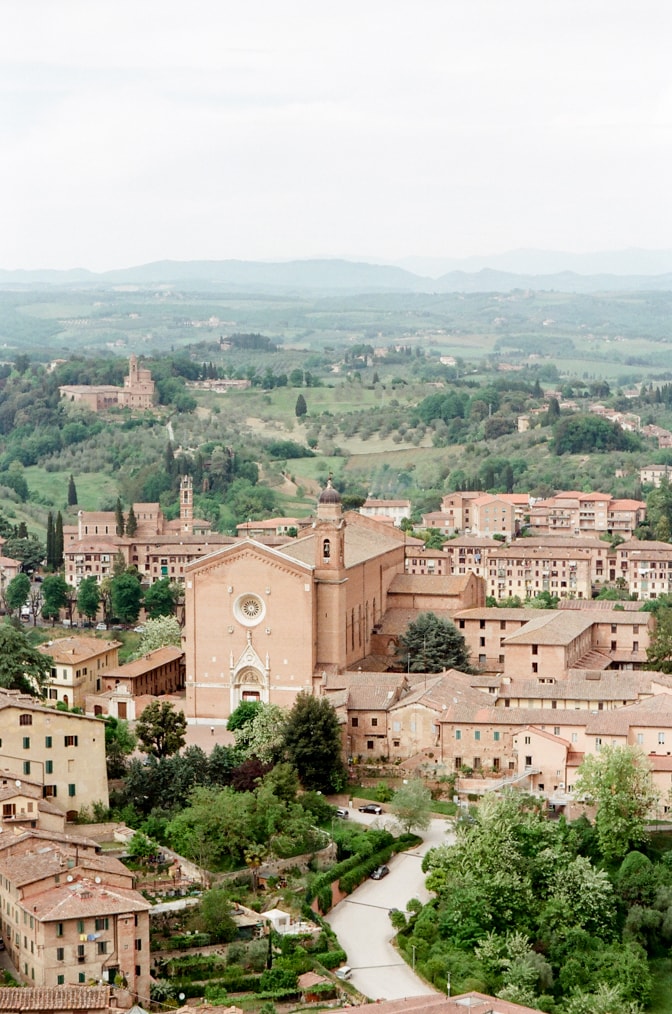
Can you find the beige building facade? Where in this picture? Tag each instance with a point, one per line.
(63, 752)
(71, 916)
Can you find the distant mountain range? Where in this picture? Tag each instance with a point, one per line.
(522, 269)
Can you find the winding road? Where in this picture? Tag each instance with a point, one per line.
(362, 922)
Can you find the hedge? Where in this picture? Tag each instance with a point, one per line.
(331, 959)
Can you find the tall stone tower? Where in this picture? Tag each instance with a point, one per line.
(330, 578)
(187, 503)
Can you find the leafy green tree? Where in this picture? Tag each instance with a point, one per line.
(301, 408)
(22, 667)
(313, 744)
(88, 598)
(161, 729)
(27, 549)
(161, 598)
(120, 743)
(241, 715)
(432, 644)
(159, 633)
(126, 592)
(17, 592)
(141, 846)
(54, 596)
(215, 913)
(617, 781)
(659, 652)
(72, 492)
(264, 736)
(411, 805)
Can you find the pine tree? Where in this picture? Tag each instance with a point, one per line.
(131, 522)
(72, 492)
(119, 515)
(58, 542)
(50, 540)
(301, 408)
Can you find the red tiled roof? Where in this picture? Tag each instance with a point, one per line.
(54, 998)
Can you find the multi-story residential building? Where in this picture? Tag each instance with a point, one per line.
(645, 568)
(530, 643)
(456, 509)
(653, 475)
(396, 510)
(22, 806)
(526, 571)
(79, 664)
(575, 513)
(420, 560)
(62, 751)
(71, 916)
(502, 514)
(470, 554)
(485, 630)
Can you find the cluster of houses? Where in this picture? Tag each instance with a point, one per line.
(321, 609)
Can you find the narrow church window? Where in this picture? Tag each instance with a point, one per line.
(326, 550)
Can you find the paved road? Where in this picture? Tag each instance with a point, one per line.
(362, 923)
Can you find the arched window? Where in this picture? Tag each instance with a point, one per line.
(326, 550)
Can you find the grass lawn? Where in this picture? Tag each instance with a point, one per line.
(661, 996)
(92, 487)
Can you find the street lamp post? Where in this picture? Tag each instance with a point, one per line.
(448, 984)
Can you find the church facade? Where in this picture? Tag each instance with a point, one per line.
(266, 623)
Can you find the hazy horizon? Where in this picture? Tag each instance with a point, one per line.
(381, 132)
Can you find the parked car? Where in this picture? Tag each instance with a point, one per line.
(344, 972)
(380, 872)
(371, 808)
(101, 626)
(342, 812)
(139, 630)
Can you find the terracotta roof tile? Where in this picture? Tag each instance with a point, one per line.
(54, 998)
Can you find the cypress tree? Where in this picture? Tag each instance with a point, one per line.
(72, 492)
(131, 522)
(50, 540)
(119, 514)
(58, 542)
(301, 408)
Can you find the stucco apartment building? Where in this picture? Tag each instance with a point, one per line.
(546, 643)
(645, 567)
(526, 571)
(481, 514)
(501, 514)
(390, 510)
(70, 915)
(79, 665)
(572, 512)
(63, 752)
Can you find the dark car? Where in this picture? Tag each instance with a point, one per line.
(380, 872)
(371, 808)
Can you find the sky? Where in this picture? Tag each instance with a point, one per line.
(373, 130)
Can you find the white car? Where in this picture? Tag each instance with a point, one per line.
(101, 626)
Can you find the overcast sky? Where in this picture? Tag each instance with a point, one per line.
(373, 129)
